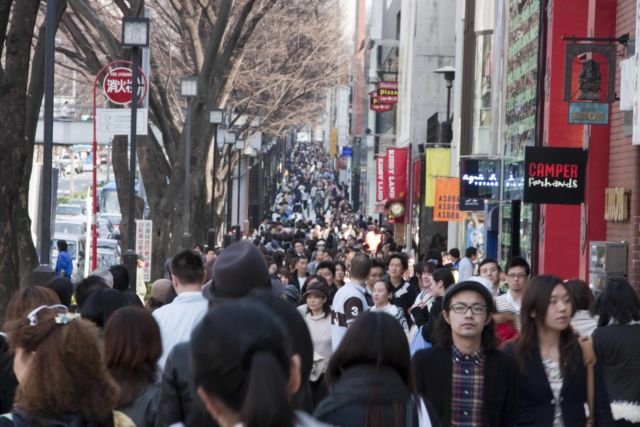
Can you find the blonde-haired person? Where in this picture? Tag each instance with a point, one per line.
(62, 378)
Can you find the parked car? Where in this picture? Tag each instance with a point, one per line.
(65, 164)
(106, 258)
(70, 226)
(106, 229)
(67, 211)
(111, 244)
(79, 202)
(76, 249)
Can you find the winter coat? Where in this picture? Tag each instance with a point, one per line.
(363, 385)
(178, 399)
(537, 402)
(143, 411)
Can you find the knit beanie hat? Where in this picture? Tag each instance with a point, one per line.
(239, 269)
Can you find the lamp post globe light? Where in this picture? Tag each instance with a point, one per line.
(135, 35)
(188, 89)
(216, 118)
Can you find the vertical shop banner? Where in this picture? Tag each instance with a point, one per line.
(381, 179)
(555, 175)
(438, 161)
(333, 143)
(417, 181)
(397, 173)
(447, 200)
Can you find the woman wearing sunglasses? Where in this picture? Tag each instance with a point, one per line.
(62, 379)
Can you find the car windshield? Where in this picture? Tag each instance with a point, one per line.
(67, 228)
(68, 210)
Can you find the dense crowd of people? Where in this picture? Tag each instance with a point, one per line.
(320, 318)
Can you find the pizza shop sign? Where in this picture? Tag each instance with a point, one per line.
(555, 175)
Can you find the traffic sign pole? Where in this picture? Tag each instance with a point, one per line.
(115, 65)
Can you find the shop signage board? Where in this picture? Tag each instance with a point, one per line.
(555, 175)
(381, 179)
(397, 173)
(447, 199)
(387, 92)
(588, 113)
(480, 178)
(376, 105)
(438, 162)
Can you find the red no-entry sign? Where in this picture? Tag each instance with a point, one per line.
(117, 85)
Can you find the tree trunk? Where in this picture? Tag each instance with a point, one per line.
(13, 89)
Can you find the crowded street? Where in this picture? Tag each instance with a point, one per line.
(347, 213)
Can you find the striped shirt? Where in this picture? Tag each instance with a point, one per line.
(467, 387)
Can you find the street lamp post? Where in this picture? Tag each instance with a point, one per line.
(239, 147)
(229, 140)
(135, 35)
(216, 117)
(449, 74)
(188, 89)
(44, 272)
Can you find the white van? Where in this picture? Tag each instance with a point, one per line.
(76, 247)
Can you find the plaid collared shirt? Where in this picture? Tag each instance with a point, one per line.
(467, 388)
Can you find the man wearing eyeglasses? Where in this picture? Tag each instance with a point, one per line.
(508, 305)
(465, 377)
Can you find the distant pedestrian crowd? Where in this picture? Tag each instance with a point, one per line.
(320, 319)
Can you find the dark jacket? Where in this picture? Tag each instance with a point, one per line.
(178, 399)
(22, 419)
(404, 296)
(434, 314)
(363, 385)
(8, 381)
(143, 411)
(433, 369)
(537, 404)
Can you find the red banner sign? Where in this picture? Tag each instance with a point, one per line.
(381, 179)
(387, 92)
(378, 106)
(397, 173)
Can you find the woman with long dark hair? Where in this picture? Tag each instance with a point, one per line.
(244, 369)
(370, 378)
(132, 347)
(617, 345)
(553, 375)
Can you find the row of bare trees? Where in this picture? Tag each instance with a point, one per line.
(268, 58)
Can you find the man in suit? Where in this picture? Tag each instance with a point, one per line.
(468, 381)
